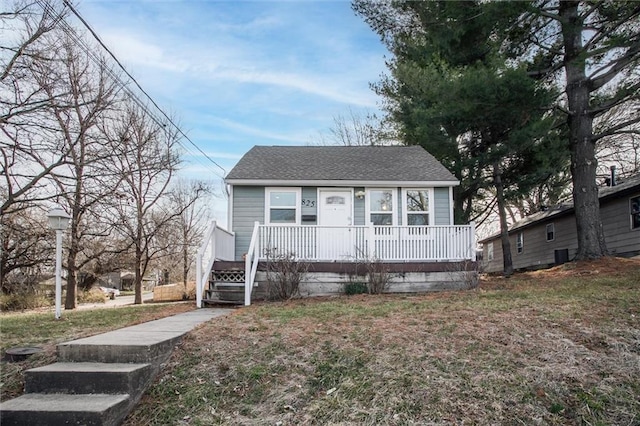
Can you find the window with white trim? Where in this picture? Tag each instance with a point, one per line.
(490, 251)
(282, 205)
(520, 242)
(417, 206)
(381, 206)
(634, 210)
(551, 232)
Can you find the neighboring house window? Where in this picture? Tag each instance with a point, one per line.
(520, 242)
(417, 206)
(551, 232)
(381, 206)
(490, 251)
(634, 205)
(282, 205)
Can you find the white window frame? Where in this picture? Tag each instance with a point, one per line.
(490, 251)
(520, 242)
(553, 231)
(394, 210)
(632, 211)
(405, 210)
(267, 204)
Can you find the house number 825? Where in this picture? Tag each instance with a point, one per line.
(308, 203)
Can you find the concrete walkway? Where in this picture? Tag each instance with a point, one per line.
(142, 342)
(98, 380)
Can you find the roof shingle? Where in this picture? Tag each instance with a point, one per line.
(349, 163)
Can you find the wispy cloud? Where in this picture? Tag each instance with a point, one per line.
(259, 132)
(240, 73)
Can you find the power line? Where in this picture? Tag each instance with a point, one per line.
(90, 51)
(133, 79)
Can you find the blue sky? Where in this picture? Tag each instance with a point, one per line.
(244, 73)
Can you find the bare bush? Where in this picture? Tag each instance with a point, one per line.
(466, 271)
(284, 274)
(378, 276)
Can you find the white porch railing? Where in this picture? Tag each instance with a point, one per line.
(354, 243)
(384, 243)
(218, 244)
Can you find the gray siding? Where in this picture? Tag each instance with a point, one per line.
(538, 252)
(310, 204)
(441, 206)
(616, 221)
(248, 207)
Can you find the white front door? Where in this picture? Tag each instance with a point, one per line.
(335, 210)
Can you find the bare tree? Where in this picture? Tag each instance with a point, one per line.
(29, 36)
(90, 96)
(189, 198)
(620, 149)
(356, 129)
(24, 249)
(147, 158)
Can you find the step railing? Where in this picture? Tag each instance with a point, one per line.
(251, 264)
(218, 244)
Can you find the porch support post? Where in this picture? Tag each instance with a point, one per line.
(472, 225)
(251, 263)
(371, 234)
(248, 284)
(199, 284)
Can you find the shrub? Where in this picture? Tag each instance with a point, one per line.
(378, 276)
(284, 274)
(93, 295)
(23, 301)
(466, 271)
(355, 288)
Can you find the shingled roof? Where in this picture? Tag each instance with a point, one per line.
(339, 163)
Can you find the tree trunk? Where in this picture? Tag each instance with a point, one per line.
(185, 263)
(507, 262)
(138, 287)
(591, 242)
(139, 254)
(138, 278)
(72, 276)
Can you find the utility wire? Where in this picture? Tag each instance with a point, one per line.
(100, 61)
(95, 35)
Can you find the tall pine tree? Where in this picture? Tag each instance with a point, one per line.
(589, 51)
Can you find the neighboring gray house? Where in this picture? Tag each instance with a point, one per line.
(549, 237)
(337, 206)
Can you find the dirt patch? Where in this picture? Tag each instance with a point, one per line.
(606, 266)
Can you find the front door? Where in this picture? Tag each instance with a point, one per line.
(335, 213)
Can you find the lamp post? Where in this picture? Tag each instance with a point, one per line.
(58, 221)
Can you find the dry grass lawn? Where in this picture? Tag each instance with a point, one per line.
(40, 329)
(553, 347)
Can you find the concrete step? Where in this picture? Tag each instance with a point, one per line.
(37, 409)
(88, 378)
(133, 346)
(224, 292)
(126, 359)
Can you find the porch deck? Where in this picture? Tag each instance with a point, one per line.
(401, 248)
